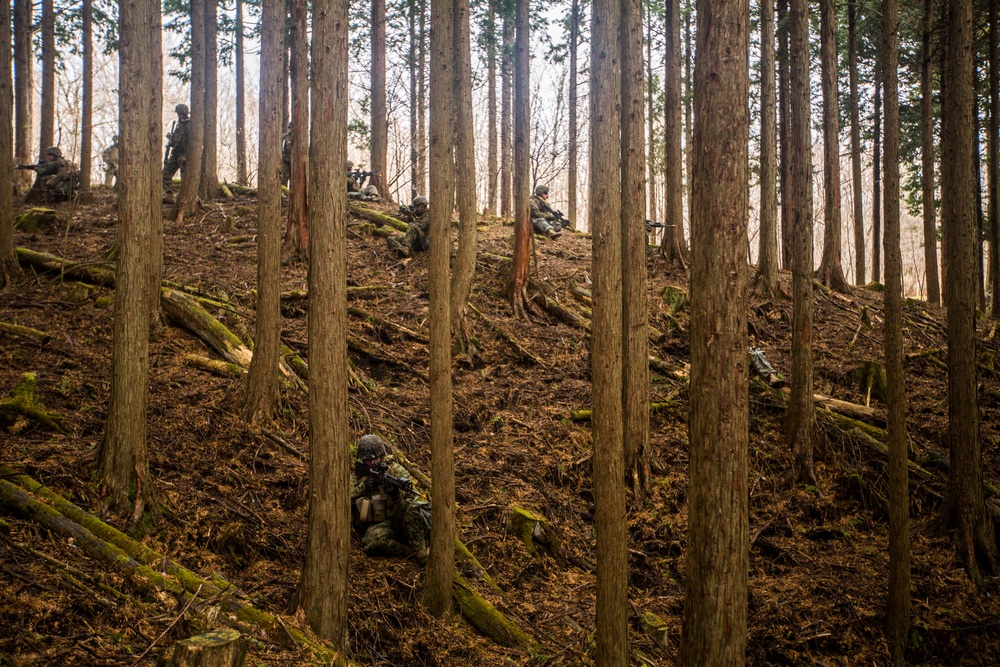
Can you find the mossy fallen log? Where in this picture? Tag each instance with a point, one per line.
(187, 312)
(485, 618)
(378, 218)
(584, 415)
(384, 232)
(226, 192)
(22, 404)
(46, 263)
(358, 347)
(36, 220)
(24, 332)
(214, 366)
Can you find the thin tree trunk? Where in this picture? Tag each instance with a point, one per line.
(23, 87)
(801, 412)
(689, 123)
(994, 165)
(10, 271)
(380, 120)
(857, 185)
(506, 116)
(412, 58)
(831, 270)
(261, 389)
(241, 123)
(877, 178)
(673, 190)
(635, 344)
(767, 261)
(574, 123)
(898, 602)
(715, 617)
(422, 99)
(491, 120)
(297, 231)
(465, 164)
(187, 198)
(210, 162)
(48, 112)
(651, 165)
(977, 160)
(520, 168)
(785, 135)
(122, 460)
(154, 137)
(975, 539)
(440, 566)
(323, 589)
(927, 157)
(87, 112)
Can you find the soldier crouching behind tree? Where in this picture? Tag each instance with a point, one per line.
(384, 511)
(417, 238)
(55, 178)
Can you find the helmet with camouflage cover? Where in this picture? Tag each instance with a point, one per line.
(420, 200)
(53, 151)
(182, 110)
(370, 447)
(541, 190)
(350, 166)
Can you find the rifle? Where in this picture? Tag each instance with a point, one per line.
(32, 167)
(170, 142)
(563, 220)
(380, 471)
(655, 225)
(360, 176)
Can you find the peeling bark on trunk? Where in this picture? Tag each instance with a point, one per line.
(785, 134)
(491, 113)
(574, 123)
(297, 230)
(521, 166)
(877, 178)
(506, 117)
(673, 186)
(994, 166)
(187, 198)
(422, 99)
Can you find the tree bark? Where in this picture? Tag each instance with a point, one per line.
(651, 209)
(465, 164)
(606, 344)
(261, 390)
(154, 137)
(187, 198)
(857, 184)
(673, 186)
(122, 460)
(715, 618)
(491, 113)
(635, 347)
(379, 118)
(877, 177)
(521, 166)
(977, 161)
(975, 540)
(87, 110)
(48, 112)
(785, 135)
(10, 270)
(574, 123)
(23, 87)
(994, 164)
(767, 260)
(209, 187)
(898, 601)
(297, 230)
(801, 413)
(422, 99)
(506, 116)
(831, 270)
(412, 62)
(241, 123)
(689, 124)
(440, 566)
(323, 588)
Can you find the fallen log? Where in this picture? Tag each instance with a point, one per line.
(356, 346)
(24, 332)
(384, 232)
(22, 404)
(371, 317)
(380, 219)
(214, 366)
(187, 312)
(584, 415)
(46, 263)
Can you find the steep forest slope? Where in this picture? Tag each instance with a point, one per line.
(232, 499)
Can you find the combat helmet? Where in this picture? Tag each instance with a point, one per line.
(421, 200)
(370, 447)
(182, 110)
(541, 190)
(53, 151)
(350, 165)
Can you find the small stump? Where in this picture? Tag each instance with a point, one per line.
(534, 531)
(219, 648)
(36, 220)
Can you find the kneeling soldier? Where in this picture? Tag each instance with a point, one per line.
(417, 238)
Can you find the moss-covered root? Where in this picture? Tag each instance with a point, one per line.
(21, 405)
(535, 532)
(485, 618)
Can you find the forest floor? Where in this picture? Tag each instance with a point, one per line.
(233, 499)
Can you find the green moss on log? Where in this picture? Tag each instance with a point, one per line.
(485, 618)
(380, 219)
(36, 220)
(22, 404)
(534, 531)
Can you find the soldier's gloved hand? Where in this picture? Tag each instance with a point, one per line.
(370, 483)
(393, 492)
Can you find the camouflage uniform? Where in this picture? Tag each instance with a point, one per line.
(177, 146)
(355, 190)
(55, 178)
(543, 221)
(110, 156)
(417, 237)
(286, 156)
(395, 525)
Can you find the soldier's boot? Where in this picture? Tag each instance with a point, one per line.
(553, 234)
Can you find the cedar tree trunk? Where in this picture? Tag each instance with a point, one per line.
(767, 260)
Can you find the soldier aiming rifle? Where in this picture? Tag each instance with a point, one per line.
(55, 178)
(355, 184)
(545, 219)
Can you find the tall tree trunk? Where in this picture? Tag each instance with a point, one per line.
(422, 98)
(689, 112)
(927, 157)
(412, 62)
(154, 136)
(297, 231)
(801, 412)
(122, 460)
(574, 123)
(241, 123)
(87, 111)
(767, 260)
(606, 344)
(520, 168)
(857, 184)
(187, 198)
(673, 190)
(977, 160)
(898, 602)
(48, 113)
(23, 87)
(715, 618)
(943, 78)
(323, 589)
(210, 162)
(380, 120)
(651, 165)
(785, 135)
(261, 387)
(877, 177)
(506, 119)
(994, 167)
(975, 539)
(491, 114)
(635, 343)
(440, 566)
(9, 269)
(831, 270)
(465, 164)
